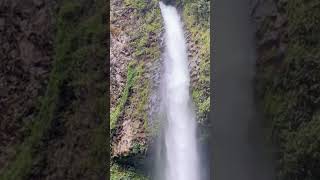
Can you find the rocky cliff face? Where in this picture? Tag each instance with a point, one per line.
(54, 85)
(288, 82)
(135, 62)
(26, 43)
(136, 65)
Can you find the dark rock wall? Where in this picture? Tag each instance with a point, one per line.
(53, 89)
(288, 82)
(26, 49)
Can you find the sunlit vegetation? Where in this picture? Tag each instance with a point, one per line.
(144, 42)
(196, 15)
(146, 49)
(124, 96)
(119, 173)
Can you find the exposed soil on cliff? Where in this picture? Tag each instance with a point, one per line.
(123, 21)
(134, 54)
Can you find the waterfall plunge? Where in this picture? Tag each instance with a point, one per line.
(182, 159)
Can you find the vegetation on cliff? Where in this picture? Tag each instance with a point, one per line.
(74, 105)
(289, 84)
(26, 60)
(196, 15)
(130, 128)
(118, 172)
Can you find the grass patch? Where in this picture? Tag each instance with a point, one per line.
(290, 93)
(120, 173)
(115, 114)
(140, 98)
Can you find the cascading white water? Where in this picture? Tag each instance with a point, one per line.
(182, 161)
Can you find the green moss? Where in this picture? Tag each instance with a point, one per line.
(302, 150)
(137, 4)
(146, 50)
(205, 106)
(148, 27)
(290, 96)
(143, 104)
(115, 114)
(196, 17)
(153, 21)
(197, 12)
(138, 148)
(119, 173)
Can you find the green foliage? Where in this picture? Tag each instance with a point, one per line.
(196, 16)
(137, 4)
(302, 152)
(119, 173)
(198, 11)
(150, 25)
(291, 95)
(291, 108)
(143, 104)
(145, 48)
(304, 23)
(202, 104)
(138, 148)
(124, 97)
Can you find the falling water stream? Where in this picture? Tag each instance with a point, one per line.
(182, 159)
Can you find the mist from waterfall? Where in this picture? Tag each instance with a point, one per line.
(181, 153)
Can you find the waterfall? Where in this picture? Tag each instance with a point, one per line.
(182, 159)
